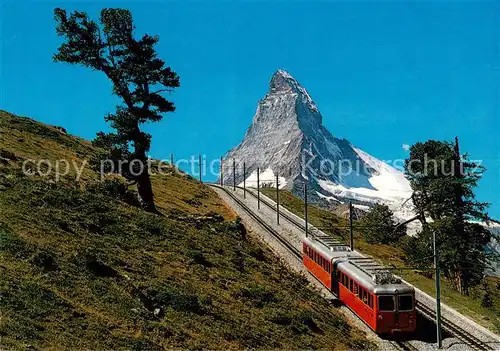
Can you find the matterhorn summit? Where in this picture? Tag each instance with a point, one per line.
(287, 138)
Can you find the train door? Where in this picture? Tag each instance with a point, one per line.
(335, 278)
(386, 313)
(405, 310)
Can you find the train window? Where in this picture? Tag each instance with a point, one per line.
(351, 287)
(370, 300)
(405, 303)
(386, 303)
(356, 289)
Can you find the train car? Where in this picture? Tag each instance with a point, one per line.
(376, 296)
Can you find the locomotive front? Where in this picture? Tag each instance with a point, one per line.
(395, 309)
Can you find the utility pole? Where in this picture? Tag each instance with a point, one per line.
(221, 173)
(199, 166)
(305, 205)
(277, 201)
(234, 175)
(171, 159)
(350, 226)
(258, 190)
(438, 292)
(244, 181)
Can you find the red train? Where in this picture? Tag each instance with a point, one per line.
(379, 298)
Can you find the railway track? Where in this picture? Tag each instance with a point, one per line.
(263, 223)
(296, 222)
(458, 332)
(400, 345)
(454, 330)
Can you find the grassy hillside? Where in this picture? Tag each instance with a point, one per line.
(82, 267)
(394, 256)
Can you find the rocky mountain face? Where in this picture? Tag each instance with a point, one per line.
(287, 138)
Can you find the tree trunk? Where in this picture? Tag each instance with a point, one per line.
(146, 191)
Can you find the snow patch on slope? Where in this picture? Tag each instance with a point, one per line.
(267, 178)
(388, 181)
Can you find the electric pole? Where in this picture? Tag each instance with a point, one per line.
(438, 292)
(234, 175)
(221, 174)
(277, 201)
(258, 190)
(305, 205)
(350, 226)
(244, 181)
(199, 166)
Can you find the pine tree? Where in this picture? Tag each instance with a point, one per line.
(138, 77)
(443, 182)
(378, 226)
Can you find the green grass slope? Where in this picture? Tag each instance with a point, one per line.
(83, 268)
(394, 256)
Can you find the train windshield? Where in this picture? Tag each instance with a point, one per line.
(386, 303)
(405, 303)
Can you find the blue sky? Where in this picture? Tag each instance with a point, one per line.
(382, 74)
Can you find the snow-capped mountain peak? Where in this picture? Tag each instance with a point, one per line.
(287, 138)
(283, 82)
